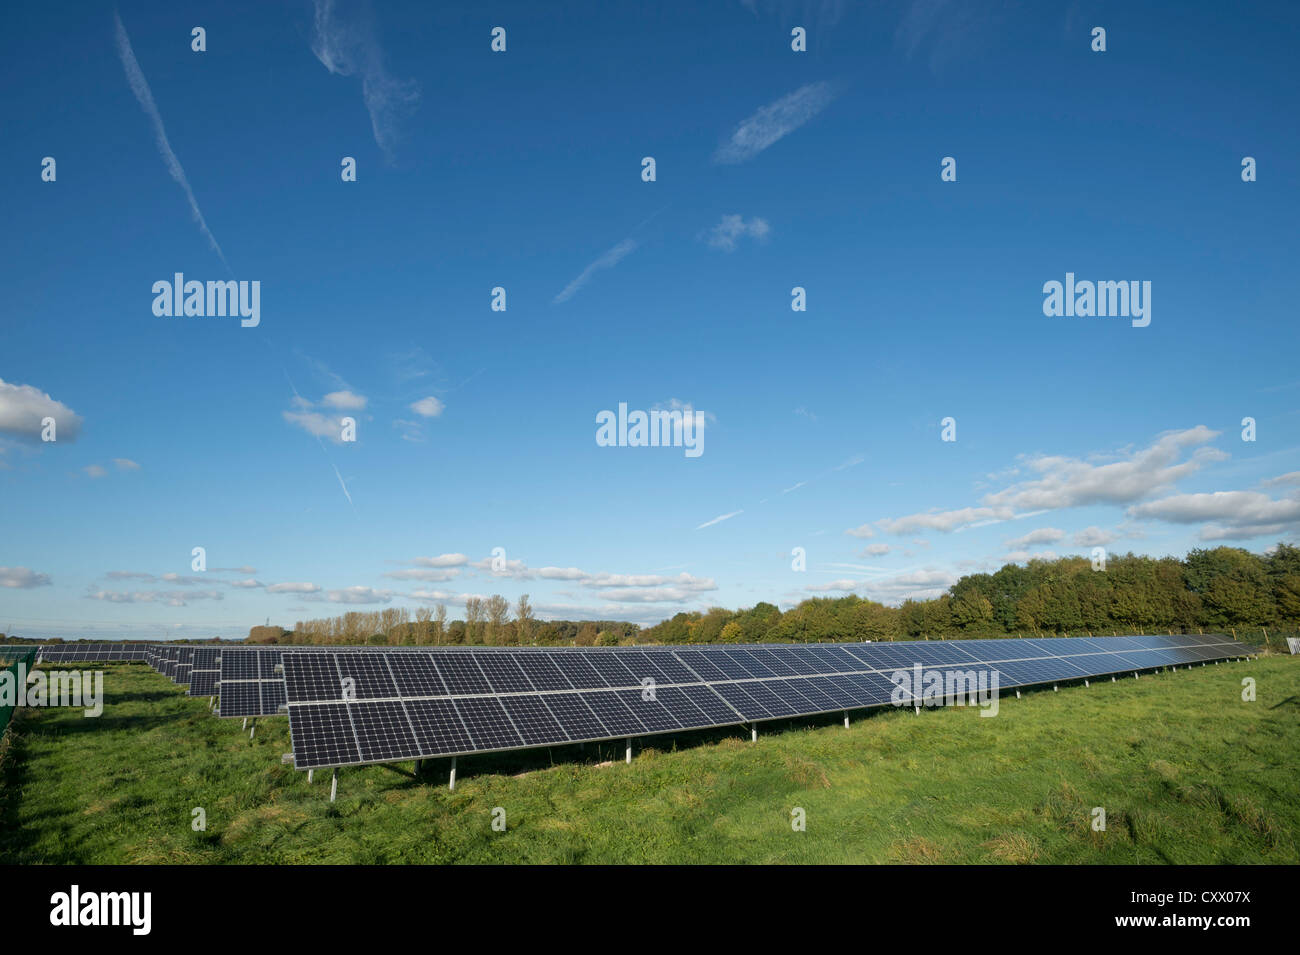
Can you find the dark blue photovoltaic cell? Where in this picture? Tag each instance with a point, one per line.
(767, 696)
(533, 720)
(737, 695)
(576, 717)
(613, 672)
(369, 674)
(438, 727)
(638, 662)
(751, 662)
(702, 664)
(461, 674)
(715, 710)
(383, 733)
(503, 674)
(240, 699)
(732, 664)
(541, 672)
(322, 736)
(611, 711)
(267, 661)
(488, 724)
(579, 672)
(272, 697)
(773, 661)
(797, 661)
(653, 715)
(203, 682)
(311, 677)
(239, 664)
(415, 675)
(673, 670)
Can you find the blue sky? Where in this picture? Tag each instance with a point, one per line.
(522, 169)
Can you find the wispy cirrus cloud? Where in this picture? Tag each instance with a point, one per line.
(345, 41)
(726, 235)
(774, 122)
(140, 87)
(719, 519)
(606, 261)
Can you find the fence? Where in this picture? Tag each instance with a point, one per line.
(11, 658)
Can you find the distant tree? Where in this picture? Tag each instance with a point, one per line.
(523, 619)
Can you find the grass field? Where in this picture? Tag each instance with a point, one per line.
(1186, 772)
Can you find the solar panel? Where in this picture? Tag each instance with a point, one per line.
(248, 684)
(205, 671)
(92, 652)
(363, 705)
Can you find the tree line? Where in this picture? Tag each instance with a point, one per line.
(1216, 589)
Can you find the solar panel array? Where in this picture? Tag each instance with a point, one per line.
(372, 706)
(250, 683)
(205, 671)
(91, 652)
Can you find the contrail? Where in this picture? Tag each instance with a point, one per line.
(140, 87)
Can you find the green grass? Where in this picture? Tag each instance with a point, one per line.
(1186, 771)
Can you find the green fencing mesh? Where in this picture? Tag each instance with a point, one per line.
(11, 658)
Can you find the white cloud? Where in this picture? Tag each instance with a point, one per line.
(876, 550)
(344, 401)
(1094, 537)
(171, 598)
(315, 423)
(728, 232)
(22, 578)
(916, 585)
(606, 261)
(442, 560)
(514, 569)
(1070, 482)
(359, 595)
(426, 574)
(249, 584)
(292, 588)
(1021, 556)
(95, 470)
(1234, 515)
(126, 464)
(945, 521)
(22, 407)
(428, 407)
(1065, 482)
(347, 46)
(683, 581)
(140, 87)
(1282, 480)
(774, 121)
(719, 519)
(1044, 535)
(562, 573)
(863, 530)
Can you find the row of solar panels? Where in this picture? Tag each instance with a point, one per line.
(349, 708)
(354, 705)
(91, 652)
(246, 679)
